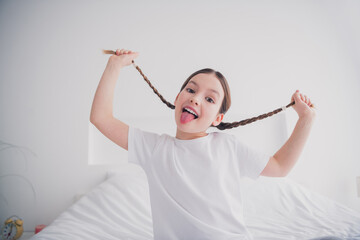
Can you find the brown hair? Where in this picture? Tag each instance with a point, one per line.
(226, 101)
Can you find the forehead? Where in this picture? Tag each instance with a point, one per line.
(208, 82)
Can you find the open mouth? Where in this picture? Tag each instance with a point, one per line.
(187, 115)
(191, 112)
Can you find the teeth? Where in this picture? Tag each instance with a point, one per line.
(191, 111)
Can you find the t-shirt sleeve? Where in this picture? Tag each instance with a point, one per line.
(141, 145)
(251, 161)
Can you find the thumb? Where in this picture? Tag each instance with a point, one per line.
(134, 54)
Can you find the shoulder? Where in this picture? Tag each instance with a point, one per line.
(137, 134)
(139, 131)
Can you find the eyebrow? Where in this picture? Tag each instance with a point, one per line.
(212, 90)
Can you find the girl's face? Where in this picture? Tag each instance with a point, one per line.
(197, 106)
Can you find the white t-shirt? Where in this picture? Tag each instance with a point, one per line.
(194, 186)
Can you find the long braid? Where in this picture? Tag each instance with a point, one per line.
(146, 80)
(222, 125)
(153, 88)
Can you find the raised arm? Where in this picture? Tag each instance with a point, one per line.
(286, 157)
(101, 115)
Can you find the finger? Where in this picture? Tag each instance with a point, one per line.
(306, 99)
(117, 52)
(135, 54)
(293, 96)
(122, 51)
(297, 97)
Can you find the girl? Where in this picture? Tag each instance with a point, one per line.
(194, 177)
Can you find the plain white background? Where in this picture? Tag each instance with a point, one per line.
(51, 63)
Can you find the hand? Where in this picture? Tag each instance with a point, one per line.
(303, 105)
(123, 57)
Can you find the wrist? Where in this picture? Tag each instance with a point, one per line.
(309, 117)
(112, 65)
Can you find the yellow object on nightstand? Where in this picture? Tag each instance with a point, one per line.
(12, 228)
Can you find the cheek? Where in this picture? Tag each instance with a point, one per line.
(212, 111)
(182, 96)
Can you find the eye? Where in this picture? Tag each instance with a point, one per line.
(190, 90)
(209, 100)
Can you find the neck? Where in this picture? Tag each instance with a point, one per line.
(188, 136)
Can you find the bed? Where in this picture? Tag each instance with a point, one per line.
(274, 208)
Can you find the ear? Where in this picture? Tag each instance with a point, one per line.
(218, 119)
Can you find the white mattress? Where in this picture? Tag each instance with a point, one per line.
(274, 208)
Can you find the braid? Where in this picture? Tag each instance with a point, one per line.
(222, 125)
(153, 88)
(146, 80)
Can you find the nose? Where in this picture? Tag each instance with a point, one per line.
(194, 100)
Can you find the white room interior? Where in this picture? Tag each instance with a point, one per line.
(51, 64)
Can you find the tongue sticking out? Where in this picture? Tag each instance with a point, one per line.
(186, 117)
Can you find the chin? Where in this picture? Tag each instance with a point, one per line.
(190, 127)
(195, 126)
(187, 130)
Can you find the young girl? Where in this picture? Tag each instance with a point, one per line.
(194, 177)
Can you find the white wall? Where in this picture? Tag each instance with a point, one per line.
(51, 63)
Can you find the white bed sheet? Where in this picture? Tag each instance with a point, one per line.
(279, 208)
(274, 209)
